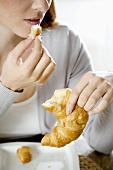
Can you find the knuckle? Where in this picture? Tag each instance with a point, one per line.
(53, 64)
(86, 108)
(106, 85)
(100, 79)
(107, 88)
(80, 103)
(89, 76)
(33, 78)
(97, 80)
(75, 92)
(90, 73)
(51, 67)
(40, 82)
(93, 99)
(83, 97)
(48, 59)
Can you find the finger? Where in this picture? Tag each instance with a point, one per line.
(96, 95)
(38, 44)
(85, 94)
(35, 55)
(94, 83)
(17, 52)
(103, 103)
(93, 99)
(42, 64)
(77, 91)
(47, 72)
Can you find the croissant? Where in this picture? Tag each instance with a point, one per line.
(24, 154)
(35, 30)
(69, 127)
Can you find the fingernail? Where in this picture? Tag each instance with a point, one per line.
(68, 111)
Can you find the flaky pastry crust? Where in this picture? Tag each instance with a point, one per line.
(24, 154)
(69, 127)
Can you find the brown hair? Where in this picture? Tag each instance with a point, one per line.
(50, 17)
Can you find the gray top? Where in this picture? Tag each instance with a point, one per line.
(73, 61)
(99, 130)
(7, 97)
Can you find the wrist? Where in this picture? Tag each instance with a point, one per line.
(11, 88)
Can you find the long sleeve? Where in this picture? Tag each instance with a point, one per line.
(99, 130)
(7, 97)
(80, 60)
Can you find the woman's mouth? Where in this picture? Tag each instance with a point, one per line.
(32, 21)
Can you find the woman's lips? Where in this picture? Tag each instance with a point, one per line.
(33, 22)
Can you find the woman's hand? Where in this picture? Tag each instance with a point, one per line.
(35, 70)
(90, 89)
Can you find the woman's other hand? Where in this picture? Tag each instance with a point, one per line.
(35, 70)
(90, 89)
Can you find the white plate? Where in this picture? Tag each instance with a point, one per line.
(43, 157)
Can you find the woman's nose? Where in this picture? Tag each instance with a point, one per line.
(40, 5)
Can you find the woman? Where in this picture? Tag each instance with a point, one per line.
(25, 85)
(21, 92)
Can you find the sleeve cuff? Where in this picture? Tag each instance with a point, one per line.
(7, 97)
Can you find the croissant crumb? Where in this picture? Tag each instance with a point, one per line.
(35, 30)
(69, 127)
(24, 154)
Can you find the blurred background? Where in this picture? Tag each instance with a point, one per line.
(93, 20)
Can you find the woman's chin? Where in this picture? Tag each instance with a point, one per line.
(23, 35)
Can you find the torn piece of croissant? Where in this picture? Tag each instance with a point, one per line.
(35, 30)
(69, 127)
(24, 154)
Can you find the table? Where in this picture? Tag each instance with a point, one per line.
(95, 161)
(90, 159)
